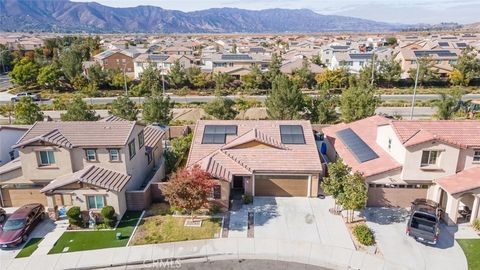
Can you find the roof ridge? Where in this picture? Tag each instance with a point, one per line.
(236, 160)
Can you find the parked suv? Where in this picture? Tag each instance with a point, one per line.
(424, 222)
(17, 97)
(20, 224)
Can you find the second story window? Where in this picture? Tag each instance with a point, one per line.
(430, 158)
(131, 149)
(91, 154)
(476, 155)
(141, 139)
(47, 158)
(114, 154)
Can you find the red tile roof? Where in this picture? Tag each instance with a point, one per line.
(226, 160)
(84, 133)
(366, 129)
(463, 181)
(463, 133)
(92, 175)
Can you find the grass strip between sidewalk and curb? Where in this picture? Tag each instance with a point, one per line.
(29, 248)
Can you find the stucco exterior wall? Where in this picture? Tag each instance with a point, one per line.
(8, 137)
(397, 151)
(79, 160)
(112, 198)
(30, 163)
(446, 164)
(137, 166)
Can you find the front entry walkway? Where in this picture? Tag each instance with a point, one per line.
(292, 218)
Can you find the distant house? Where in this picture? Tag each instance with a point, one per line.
(290, 67)
(85, 164)
(354, 62)
(9, 135)
(260, 158)
(161, 62)
(443, 60)
(236, 60)
(117, 60)
(177, 50)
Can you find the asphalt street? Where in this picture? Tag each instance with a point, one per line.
(5, 98)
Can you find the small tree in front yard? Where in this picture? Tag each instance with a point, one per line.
(189, 189)
(334, 184)
(355, 194)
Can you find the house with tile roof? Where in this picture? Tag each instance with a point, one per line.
(258, 157)
(85, 164)
(405, 160)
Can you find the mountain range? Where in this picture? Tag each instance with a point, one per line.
(67, 16)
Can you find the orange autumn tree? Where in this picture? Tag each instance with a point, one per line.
(189, 189)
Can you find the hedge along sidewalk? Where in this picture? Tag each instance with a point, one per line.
(88, 240)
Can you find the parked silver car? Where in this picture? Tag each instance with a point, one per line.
(17, 97)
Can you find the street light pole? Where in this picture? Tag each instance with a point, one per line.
(163, 81)
(125, 79)
(415, 90)
(373, 68)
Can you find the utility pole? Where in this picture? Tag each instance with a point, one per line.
(125, 80)
(163, 80)
(415, 90)
(373, 68)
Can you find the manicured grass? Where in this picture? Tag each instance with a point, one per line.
(162, 229)
(471, 248)
(29, 248)
(78, 241)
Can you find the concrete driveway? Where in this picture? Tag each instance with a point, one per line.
(299, 219)
(389, 225)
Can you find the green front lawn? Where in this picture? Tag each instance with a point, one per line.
(162, 229)
(29, 248)
(471, 248)
(78, 241)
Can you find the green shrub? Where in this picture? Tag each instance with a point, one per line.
(476, 224)
(109, 217)
(215, 208)
(75, 216)
(247, 199)
(363, 234)
(178, 210)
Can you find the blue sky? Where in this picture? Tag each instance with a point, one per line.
(399, 11)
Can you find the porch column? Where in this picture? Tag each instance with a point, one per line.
(476, 204)
(451, 210)
(51, 206)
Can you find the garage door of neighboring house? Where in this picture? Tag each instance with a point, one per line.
(281, 185)
(18, 197)
(397, 196)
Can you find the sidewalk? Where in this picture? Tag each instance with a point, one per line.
(50, 237)
(213, 249)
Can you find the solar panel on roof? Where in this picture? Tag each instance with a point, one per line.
(157, 57)
(217, 134)
(360, 150)
(236, 57)
(443, 44)
(461, 45)
(360, 56)
(442, 53)
(292, 134)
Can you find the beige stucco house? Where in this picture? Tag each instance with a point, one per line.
(405, 160)
(85, 164)
(258, 157)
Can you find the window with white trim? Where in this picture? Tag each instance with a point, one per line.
(430, 158)
(114, 154)
(95, 201)
(476, 155)
(141, 140)
(46, 158)
(91, 154)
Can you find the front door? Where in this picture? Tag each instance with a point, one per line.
(238, 185)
